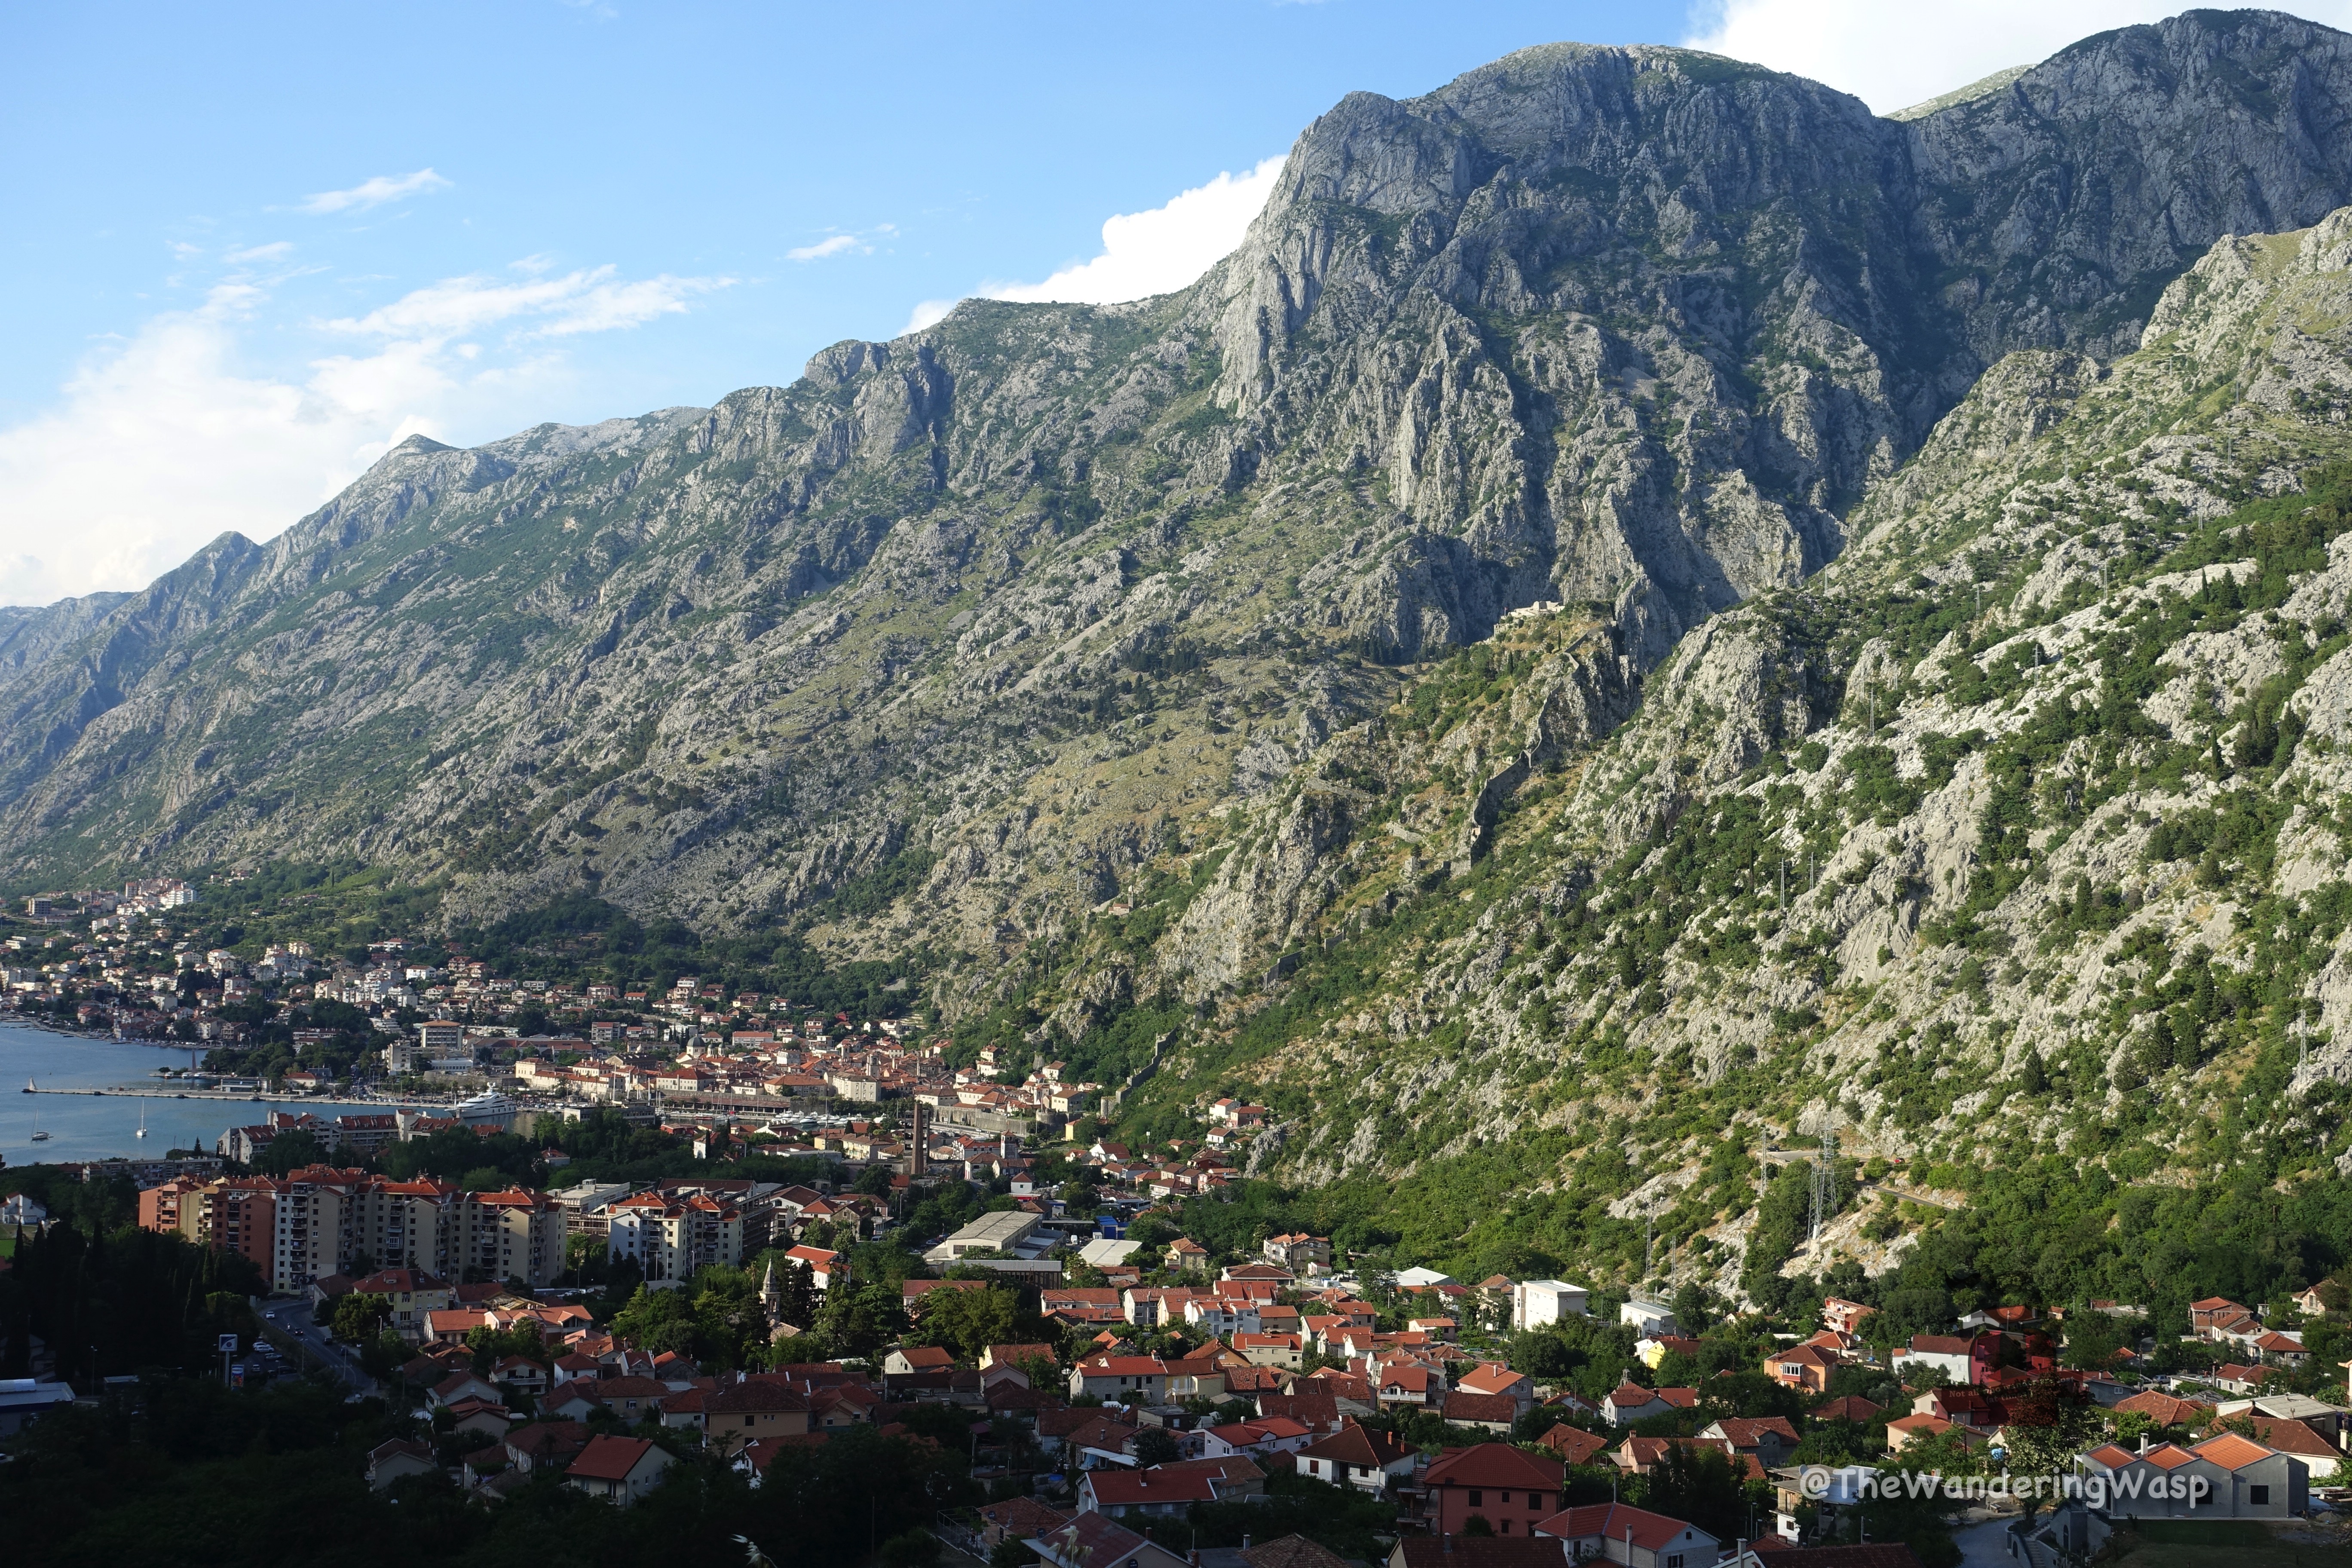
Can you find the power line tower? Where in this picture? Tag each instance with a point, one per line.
(1824, 1178)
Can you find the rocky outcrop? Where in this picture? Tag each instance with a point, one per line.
(1632, 329)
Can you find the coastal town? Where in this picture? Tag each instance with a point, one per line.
(925, 1244)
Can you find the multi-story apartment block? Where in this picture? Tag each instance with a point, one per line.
(320, 1221)
(512, 1234)
(671, 1237)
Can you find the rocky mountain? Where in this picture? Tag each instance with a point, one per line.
(2012, 842)
(1203, 607)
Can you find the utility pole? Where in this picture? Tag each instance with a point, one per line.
(1824, 1182)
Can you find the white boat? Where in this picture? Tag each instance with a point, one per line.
(39, 1136)
(142, 1119)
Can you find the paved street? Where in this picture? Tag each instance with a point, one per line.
(293, 1319)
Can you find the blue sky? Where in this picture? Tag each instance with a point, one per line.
(252, 245)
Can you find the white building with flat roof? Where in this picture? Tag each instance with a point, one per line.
(1003, 1231)
(1534, 1302)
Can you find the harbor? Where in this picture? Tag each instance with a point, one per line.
(92, 1095)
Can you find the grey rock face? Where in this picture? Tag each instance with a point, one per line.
(1030, 589)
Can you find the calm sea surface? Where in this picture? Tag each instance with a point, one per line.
(83, 1127)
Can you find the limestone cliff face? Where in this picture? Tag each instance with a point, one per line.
(1007, 606)
(2031, 803)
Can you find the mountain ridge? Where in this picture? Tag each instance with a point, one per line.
(957, 642)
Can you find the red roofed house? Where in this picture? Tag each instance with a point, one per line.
(1493, 1377)
(1960, 1358)
(1406, 1383)
(1358, 1457)
(1265, 1435)
(1129, 1379)
(909, 1360)
(1164, 1490)
(1806, 1367)
(1615, 1533)
(2213, 1312)
(1017, 1518)
(1494, 1413)
(619, 1469)
(1842, 1316)
(1506, 1487)
(2165, 1410)
(1771, 1438)
(1630, 1401)
(1093, 1541)
(2227, 1476)
(1853, 1407)
(388, 1462)
(1572, 1444)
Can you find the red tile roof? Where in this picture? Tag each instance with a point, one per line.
(608, 1458)
(1574, 1445)
(1612, 1521)
(1493, 1465)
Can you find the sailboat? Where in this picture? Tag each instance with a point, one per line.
(142, 1119)
(39, 1136)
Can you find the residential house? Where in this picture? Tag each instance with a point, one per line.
(2228, 1476)
(410, 1293)
(2287, 1436)
(1407, 1384)
(1630, 1401)
(1804, 1367)
(1844, 1316)
(1298, 1251)
(1509, 1490)
(1962, 1359)
(1168, 1490)
(2209, 1316)
(463, 1385)
(1617, 1533)
(1474, 1551)
(1534, 1302)
(549, 1444)
(1265, 1436)
(1067, 1434)
(1649, 1318)
(1185, 1255)
(1905, 1430)
(389, 1462)
(1768, 1439)
(1093, 1541)
(1850, 1407)
(1572, 1444)
(1017, 1518)
(1127, 1379)
(620, 1470)
(908, 1361)
(2165, 1410)
(1494, 1378)
(746, 1412)
(1495, 1413)
(1270, 1350)
(1357, 1456)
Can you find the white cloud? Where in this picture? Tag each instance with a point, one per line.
(164, 442)
(925, 314)
(1145, 253)
(823, 248)
(1894, 55)
(584, 301)
(374, 193)
(278, 251)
